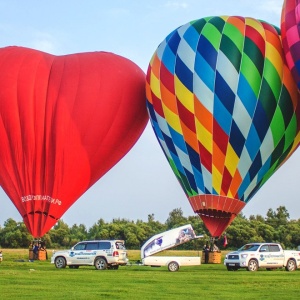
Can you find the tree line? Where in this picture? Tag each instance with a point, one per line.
(276, 226)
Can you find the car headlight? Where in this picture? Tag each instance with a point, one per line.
(244, 256)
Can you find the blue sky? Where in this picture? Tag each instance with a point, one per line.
(142, 182)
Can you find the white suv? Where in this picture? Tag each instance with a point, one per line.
(103, 254)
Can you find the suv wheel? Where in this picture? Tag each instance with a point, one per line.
(60, 262)
(252, 265)
(100, 263)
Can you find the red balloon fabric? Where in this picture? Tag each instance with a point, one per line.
(64, 122)
(290, 32)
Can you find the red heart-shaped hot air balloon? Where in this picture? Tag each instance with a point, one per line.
(64, 122)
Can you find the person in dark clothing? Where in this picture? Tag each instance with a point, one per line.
(35, 251)
(206, 250)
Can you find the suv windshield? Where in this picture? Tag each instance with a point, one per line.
(249, 247)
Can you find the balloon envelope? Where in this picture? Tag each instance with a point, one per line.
(290, 32)
(64, 122)
(225, 111)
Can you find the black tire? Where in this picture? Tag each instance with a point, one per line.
(231, 268)
(73, 267)
(252, 265)
(291, 265)
(60, 262)
(100, 263)
(173, 266)
(114, 267)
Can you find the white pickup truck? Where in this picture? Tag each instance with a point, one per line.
(262, 255)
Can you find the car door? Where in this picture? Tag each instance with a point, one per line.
(272, 255)
(264, 256)
(91, 251)
(276, 254)
(78, 254)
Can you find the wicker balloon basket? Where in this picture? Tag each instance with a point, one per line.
(213, 258)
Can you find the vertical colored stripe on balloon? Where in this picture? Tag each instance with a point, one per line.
(172, 119)
(251, 74)
(218, 158)
(185, 96)
(212, 34)
(204, 136)
(155, 85)
(203, 115)
(189, 137)
(235, 183)
(186, 116)
(231, 161)
(277, 126)
(216, 179)
(155, 65)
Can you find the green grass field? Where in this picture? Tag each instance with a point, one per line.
(21, 279)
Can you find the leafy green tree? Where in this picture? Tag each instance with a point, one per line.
(78, 233)
(60, 234)
(131, 235)
(241, 232)
(258, 218)
(275, 227)
(265, 232)
(116, 230)
(47, 240)
(278, 217)
(14, 235)
(176, 219)
(94, 231)
(292, 237)
(145, 230)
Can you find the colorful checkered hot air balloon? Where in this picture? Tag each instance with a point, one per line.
(290, 30)
(224, 108)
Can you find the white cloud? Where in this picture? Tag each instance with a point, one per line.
(271, 7)
(44, 42)
(176, 4)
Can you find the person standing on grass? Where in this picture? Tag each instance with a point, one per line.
(206, 249)
(35, 251)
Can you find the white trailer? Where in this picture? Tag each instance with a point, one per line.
(172, 262)
(167, 240)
